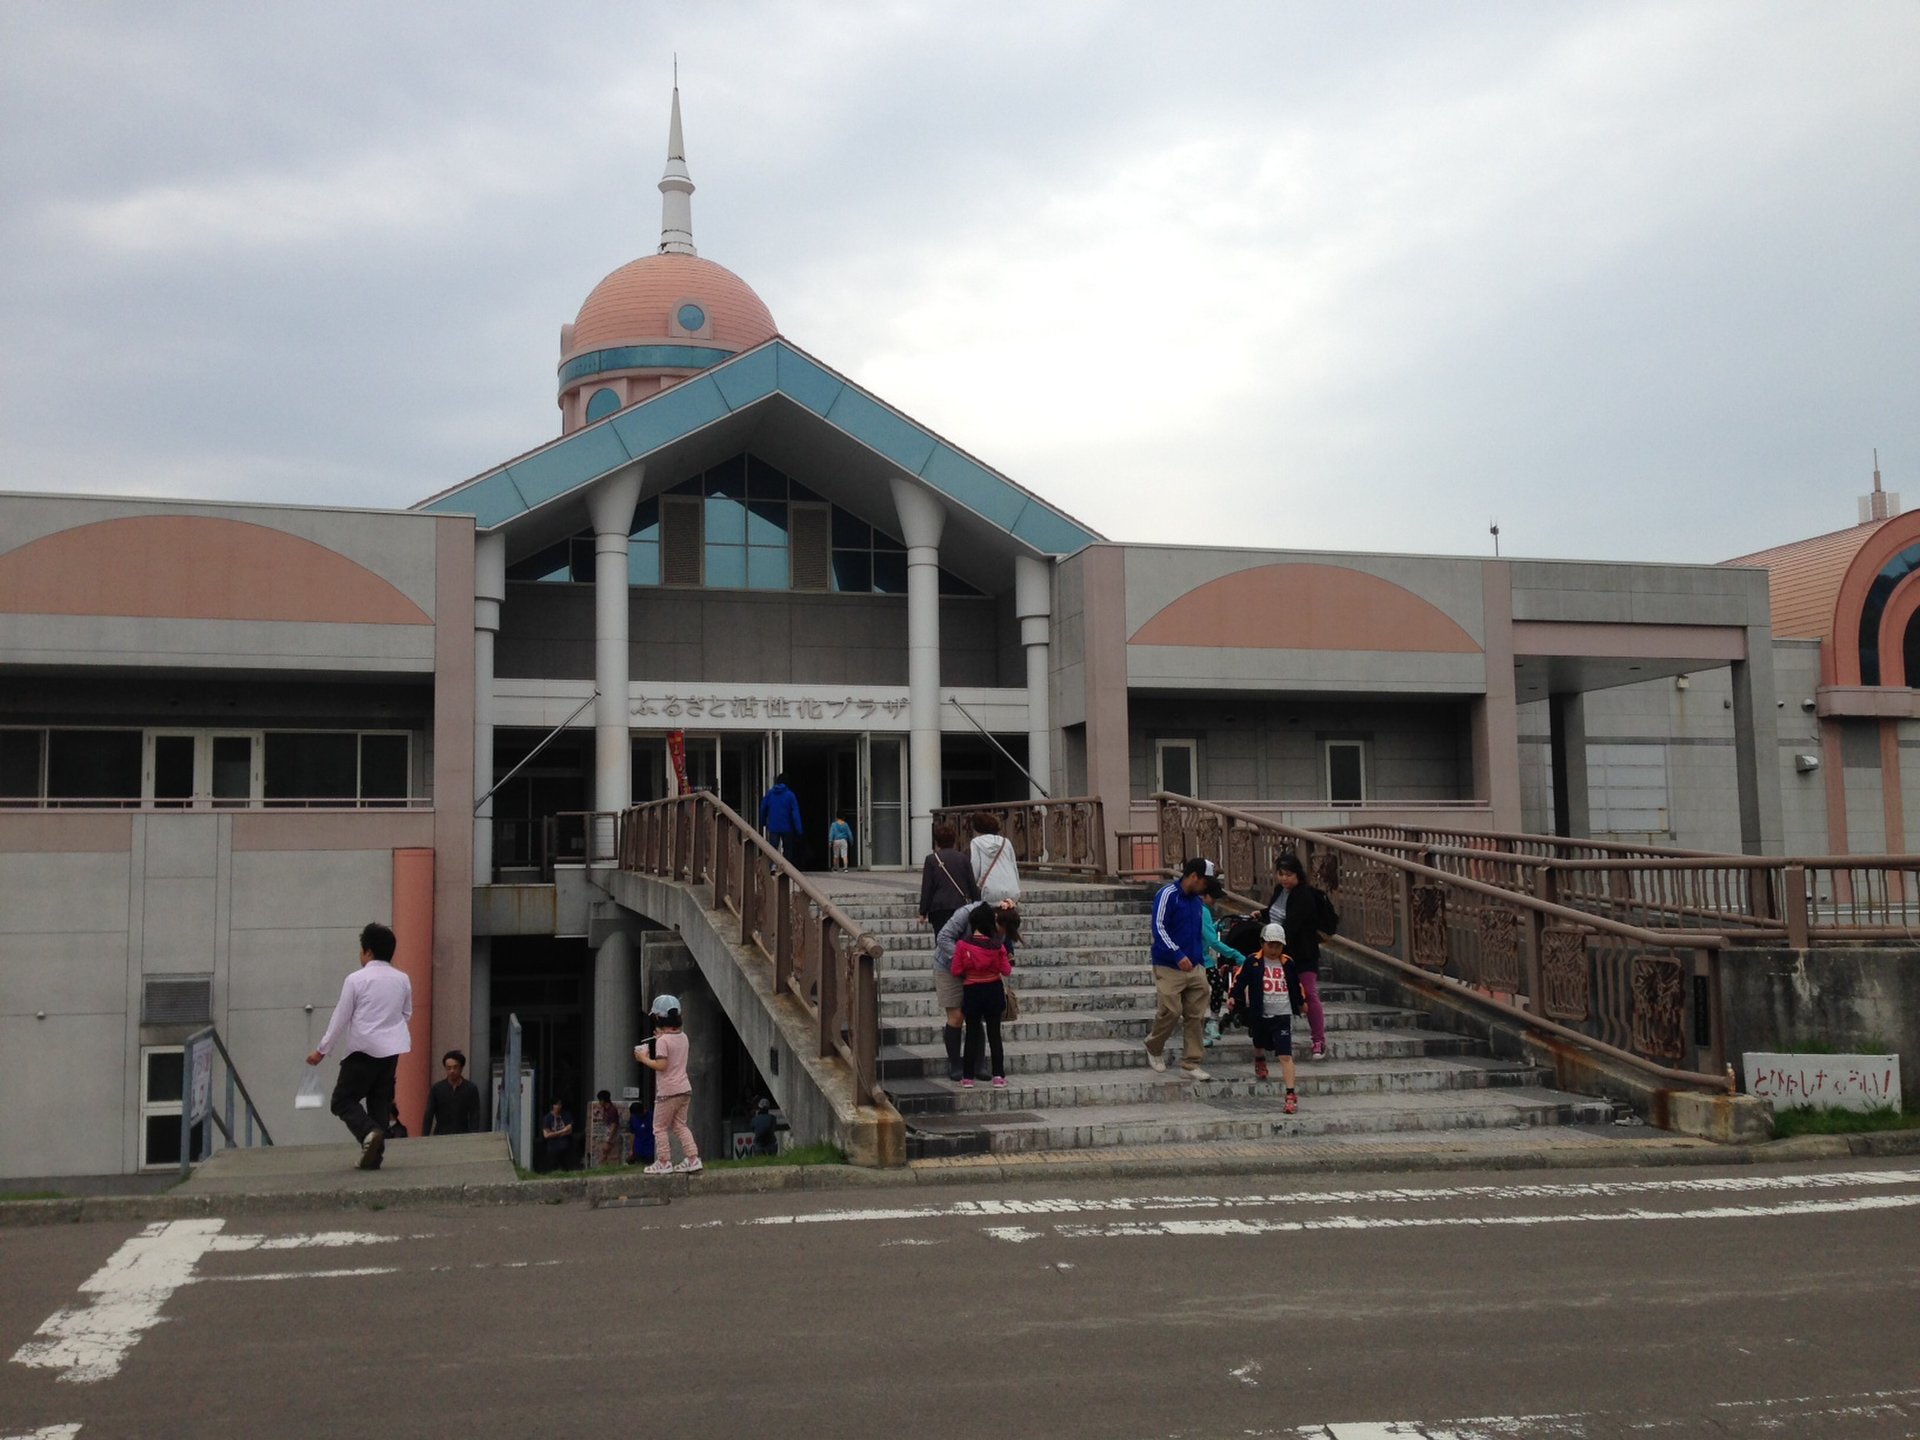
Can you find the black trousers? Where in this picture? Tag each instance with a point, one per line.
(982, 1006)
(363, 1095)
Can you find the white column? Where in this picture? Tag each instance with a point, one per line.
(921, 520)
(614, 1028)
(489, 593)
(1033, 603)
(611, 505)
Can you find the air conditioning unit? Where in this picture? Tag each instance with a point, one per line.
(1806, 764)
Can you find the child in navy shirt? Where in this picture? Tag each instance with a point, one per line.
(1262, 993)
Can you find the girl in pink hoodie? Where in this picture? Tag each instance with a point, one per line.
(980, 960)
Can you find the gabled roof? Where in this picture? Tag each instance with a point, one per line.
(1805, 579)
(777, 368)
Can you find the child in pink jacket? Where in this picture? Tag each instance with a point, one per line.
(980, 960)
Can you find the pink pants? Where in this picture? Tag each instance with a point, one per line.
(670, 1119)
(1316, 1012)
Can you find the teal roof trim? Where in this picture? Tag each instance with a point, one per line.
(640, 357)
(506, 492)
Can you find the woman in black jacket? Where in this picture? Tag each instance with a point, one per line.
(1309, 916)
(946, 887)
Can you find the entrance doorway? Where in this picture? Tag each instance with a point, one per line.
(857, 778)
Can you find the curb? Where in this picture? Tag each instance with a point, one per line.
(773, 1179)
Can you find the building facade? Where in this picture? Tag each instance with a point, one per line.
(229, 734)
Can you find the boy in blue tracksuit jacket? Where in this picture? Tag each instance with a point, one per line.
(1180, 983)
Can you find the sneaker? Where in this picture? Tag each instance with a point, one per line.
(1320, 1051)
(953, 1072)
(1194, 1072)
(1212, 1034)
(999, 1082)
(689, 1167)
(1259, 1069)
(371, 1149)
(659, 1167)
(966, 1082)
(1293, 1103)
(1157, 1063)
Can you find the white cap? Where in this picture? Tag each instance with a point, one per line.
(664, 1005)
(1274, 934)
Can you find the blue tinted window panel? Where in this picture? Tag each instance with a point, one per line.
(763, 481)
(602, 404)
(850, 532)
(643, 563)
(747, 378)
(491, 500)
(971, 485)
(884, 541)
(853, 571)
(726, 521)
(640, 357)
(890, 573)
(729, 477)
(767, 522)
(646, 520)
(1049, 533)
(901, 441)
(552, 564)
(954, 585)
(805, 383)
(654, 422)
(797, 491)
(767, 567)
(584, 455)
(727, 567)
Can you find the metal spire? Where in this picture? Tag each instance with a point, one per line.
(676, 185)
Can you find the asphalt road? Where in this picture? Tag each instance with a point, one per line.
(1747, 1302)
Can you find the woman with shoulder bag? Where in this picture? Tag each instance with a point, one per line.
(994, 868)
(947, 886)
(1309, 917)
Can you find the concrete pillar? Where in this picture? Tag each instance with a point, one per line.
(489, 593)
(1567, 739)
(1496, 716)
(1103, 628)
(611, 506)
(1756, 747)
(1033, 603)
(922, 518)
(616, 1018)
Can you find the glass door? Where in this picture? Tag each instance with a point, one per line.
(171, 762)
(232, 769)
(885, 795)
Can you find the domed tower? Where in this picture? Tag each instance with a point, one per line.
(656, 320)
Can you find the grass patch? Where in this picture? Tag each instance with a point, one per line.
(821, 1154)
(1872, 1045)
(31, 1195)
(1788, 1123)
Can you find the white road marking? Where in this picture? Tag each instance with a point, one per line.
(88, 1343)
(297, 1275)
(1245, 1374)
(1401, 1195)
(1130, 1229)
(898, 1244)
(1013, 1234)
(47, 1432)
(1765, 1417)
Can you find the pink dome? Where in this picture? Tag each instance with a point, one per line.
(637, 304)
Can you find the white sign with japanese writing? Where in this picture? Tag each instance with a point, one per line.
(697, 707)
(1825, 1082)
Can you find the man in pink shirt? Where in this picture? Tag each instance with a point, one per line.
(370, 1025)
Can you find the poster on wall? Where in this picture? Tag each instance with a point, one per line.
(677, 757)
(199, 1079)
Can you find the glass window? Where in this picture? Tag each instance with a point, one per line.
(884, 541)
(646, 520)
(726, 521)
(1346, 772)
(94, 764)
(584, 564)
(850, 533)
(853, 571)
(602, 404)
(890, 572)
(729, 477)
(311, 766)
(763, 481)
(20, 752)
(767, 567)
(1175, 762)
(232, 769)
(166, 1082)
(767, 522)
(383, 767)
(643, 562)
(554, 563)
(727, 567)
(798, 492)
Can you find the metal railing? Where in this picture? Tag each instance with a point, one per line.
(820, 956)
(1067, 835)
(196, 1098)
(1651, 998)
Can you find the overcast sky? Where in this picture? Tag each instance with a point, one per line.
(1637, 280)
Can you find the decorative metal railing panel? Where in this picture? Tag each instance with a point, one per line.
(1067, 835)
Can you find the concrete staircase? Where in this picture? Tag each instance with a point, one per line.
(1077, 1068)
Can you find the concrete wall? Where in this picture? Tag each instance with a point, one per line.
(1857, 998)
(98, 902)
(1259, 747)
(546, 633)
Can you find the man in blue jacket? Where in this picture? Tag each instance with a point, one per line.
(780, 816)
(1180, 984)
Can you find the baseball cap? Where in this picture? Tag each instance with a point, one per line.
(1201, 867)
(665, 1004)
(1274, 934)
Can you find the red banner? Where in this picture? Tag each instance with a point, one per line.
(677, 754)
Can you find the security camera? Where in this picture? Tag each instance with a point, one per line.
(1808, 705)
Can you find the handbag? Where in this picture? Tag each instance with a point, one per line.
(1012, 1012)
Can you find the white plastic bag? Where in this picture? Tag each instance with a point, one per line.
(309, 1096)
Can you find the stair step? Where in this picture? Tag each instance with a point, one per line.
(1071, 1025)
(1033, 1057)
(909, 912)
(917, 1000)
(1201, 1118)
(1233, 1079)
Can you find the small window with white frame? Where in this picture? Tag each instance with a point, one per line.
(1176, 766)
(162, 1087)
(1346, 770)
